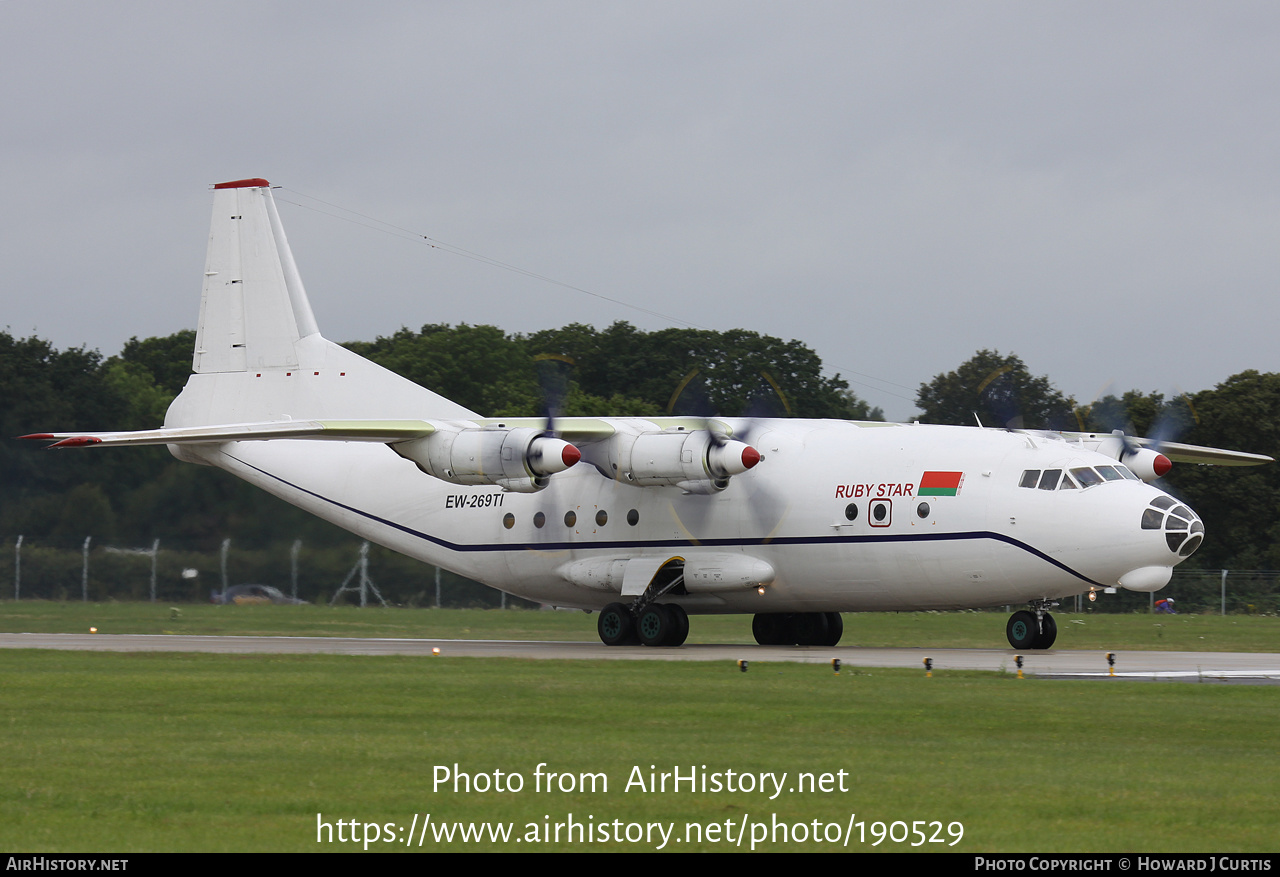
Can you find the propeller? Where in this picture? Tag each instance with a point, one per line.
(726, 456)
(548, 453)
(738, 441)
(1166, 422)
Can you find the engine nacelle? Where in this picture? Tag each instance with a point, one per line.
(688, 459)
(1147, 464)
(518, 458)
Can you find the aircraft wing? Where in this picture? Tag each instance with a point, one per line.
(1175, 451)
(385, 431)
(582, 429)
(1180, 453)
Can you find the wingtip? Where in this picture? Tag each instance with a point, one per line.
(77, 441)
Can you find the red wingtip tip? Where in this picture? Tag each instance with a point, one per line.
(38, 436)
(570, 455)
(750, 456)
(76, 441)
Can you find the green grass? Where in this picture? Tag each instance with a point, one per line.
(885, 629)
(184, 752)
(187, 752)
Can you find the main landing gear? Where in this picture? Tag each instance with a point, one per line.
(798, 628)
(658, 624)
(1034, 629)
(647, 621)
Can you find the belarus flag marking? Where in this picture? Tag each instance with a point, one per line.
(940, 483)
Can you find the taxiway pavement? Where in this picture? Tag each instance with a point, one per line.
(1188, 666)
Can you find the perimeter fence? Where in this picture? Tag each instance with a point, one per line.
(171, 572)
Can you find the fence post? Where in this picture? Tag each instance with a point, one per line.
(155, 550)
(226, 546)
(84, 572)
(1224, 592)
(293, 567)
(17, 568)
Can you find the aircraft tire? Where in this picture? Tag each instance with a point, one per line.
(616, 626)
(765, 627)
(1048, 633)
(835, 628)
(1022, 630)
(679, 625)
(810, 628)
(654, 625)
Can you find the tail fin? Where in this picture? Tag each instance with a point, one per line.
(253, 310)
(259, 353)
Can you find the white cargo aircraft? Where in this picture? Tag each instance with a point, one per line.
(653, 519)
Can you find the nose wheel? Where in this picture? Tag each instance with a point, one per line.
(1031, 629)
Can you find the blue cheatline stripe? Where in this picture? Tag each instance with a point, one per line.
(736, 542)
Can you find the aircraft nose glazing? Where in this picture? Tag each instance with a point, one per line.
(1183, 530)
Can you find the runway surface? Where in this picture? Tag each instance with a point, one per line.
(1177, 666)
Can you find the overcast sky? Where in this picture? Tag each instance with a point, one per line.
(1091, 185)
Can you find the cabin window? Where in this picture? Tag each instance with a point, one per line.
(539, 520)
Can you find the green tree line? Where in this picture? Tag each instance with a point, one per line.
(54, 500)
(131, 497)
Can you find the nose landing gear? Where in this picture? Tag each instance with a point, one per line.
(1034, 629)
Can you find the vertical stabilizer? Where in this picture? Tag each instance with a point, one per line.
(259, 354)
(253, 309)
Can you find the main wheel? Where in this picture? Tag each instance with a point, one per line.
(1048, 632)
(679, 625)
(654, 625)
(766, 628)
(835, 628)
(616, 626)
(1022, 630)
(811, 628)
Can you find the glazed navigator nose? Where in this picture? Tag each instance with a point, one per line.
(1182, 528)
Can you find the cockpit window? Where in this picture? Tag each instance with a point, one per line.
(1083, 476)
(1086, 476)
(1110, 473)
